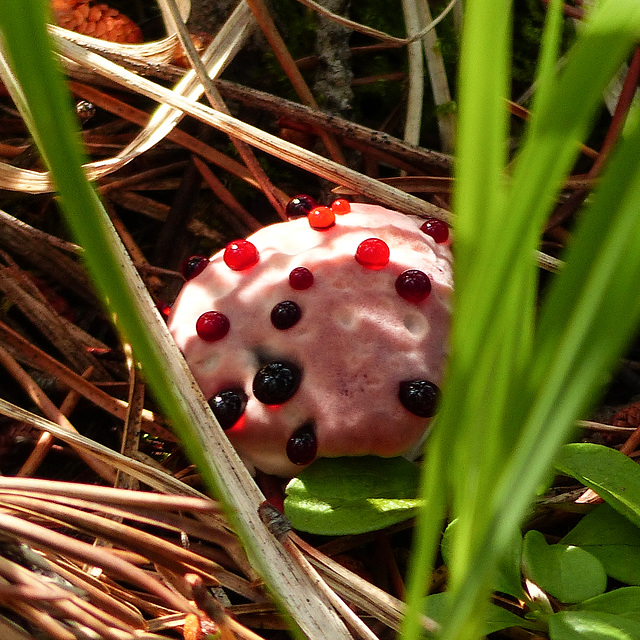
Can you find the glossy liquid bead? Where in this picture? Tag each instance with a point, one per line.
(240, 255)
(299, 206)
(373, 253)
(300, 278)
(193, 266)
(228, 406)
(437, 229)
(321, 218)
(212, 326)
(413, 285)
(276, 382)
(340, 206)
(285, 314)
(420, 397)
(302, 446)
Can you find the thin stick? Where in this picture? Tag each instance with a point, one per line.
(42, 401)
(413, 119)
(438, 77)
(122, 109)
(43, 538)
(44, 362)
(375, 33)
(347, 130)
(289, 66)
(46, 440)
(216, 101)
(262, 140)
(225, 195)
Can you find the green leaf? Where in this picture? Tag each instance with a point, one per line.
(435, 606)
(612, 539)
(568, 573)
(591, 625)
(624, 602)
(611, 474)
(339, 496)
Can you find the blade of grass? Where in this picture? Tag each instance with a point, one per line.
(572, 348)
(479, 202)
(26, 44)
(496, 234)
(575, 343)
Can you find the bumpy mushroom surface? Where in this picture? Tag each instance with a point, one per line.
(320, 342)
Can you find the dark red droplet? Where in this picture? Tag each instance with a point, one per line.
(300, 278)
(420, 397)
(240, 254)
(228, 406)
(373, 253)
(212, 326)
(302, 446)
(285, 314)
(413, 285)
(300, 205)
(437, 229)
(193, 266)
(276, 382)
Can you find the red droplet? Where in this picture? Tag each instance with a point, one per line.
(437, 229)
(193, 266)
(240, 254)
(300, 278)
(212, 326)
(164, 308)
(300, 205)
(341, 206)
(373, 253)
(413, 285)
(321, 218)
(302, 446)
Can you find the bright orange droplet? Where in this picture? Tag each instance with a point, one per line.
(321, 218)
(341, 206)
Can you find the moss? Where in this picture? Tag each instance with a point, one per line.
(528, 24)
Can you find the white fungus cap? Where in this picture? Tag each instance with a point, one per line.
(356, 341)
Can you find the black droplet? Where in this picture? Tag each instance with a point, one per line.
(419, 396)
(228, 406)
(192, 266)
(285, 314)
(302, 446)
(276, 382)
(300, 205)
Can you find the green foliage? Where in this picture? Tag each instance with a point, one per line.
(517, 382)
(573, 572)
(614, 476)
(591, 625)
(497, 617)
(508, 579)
(566, 572)
(339, 496)
(611, 538)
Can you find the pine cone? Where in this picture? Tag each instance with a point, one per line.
(96, 20)
(628, 416)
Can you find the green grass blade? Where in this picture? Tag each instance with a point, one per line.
(587, 319)
(489, 390)
(479, 202)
